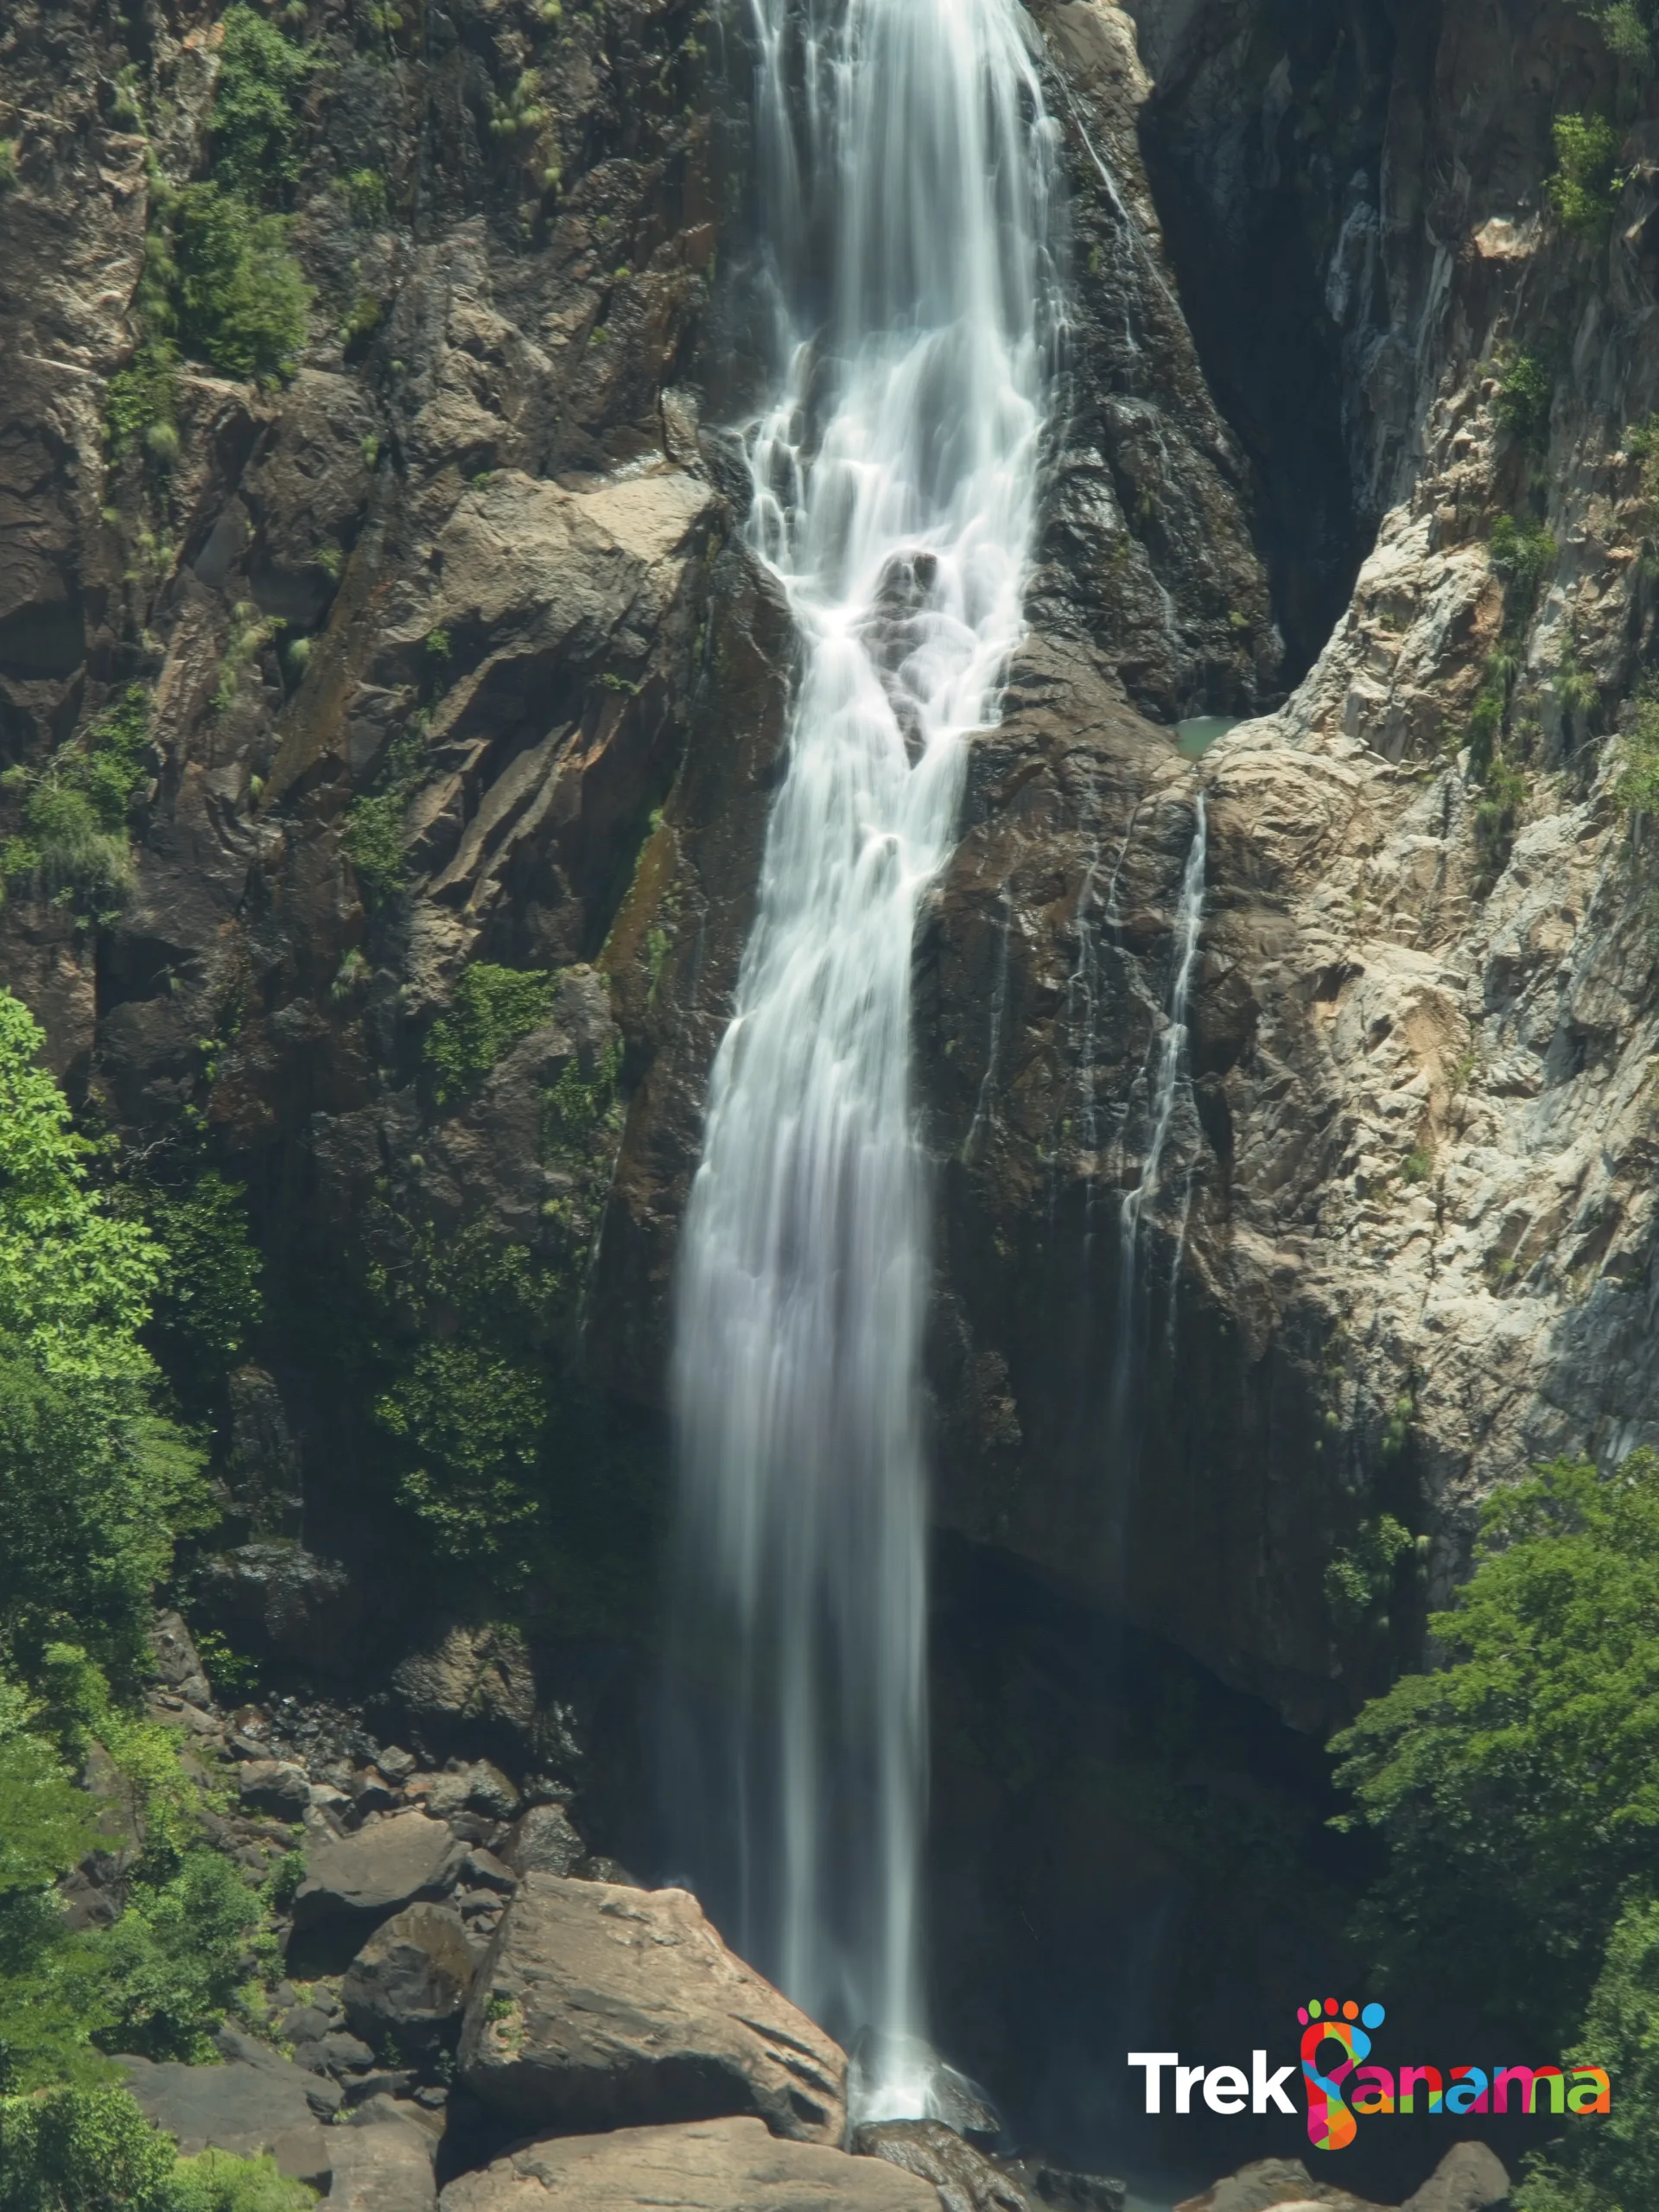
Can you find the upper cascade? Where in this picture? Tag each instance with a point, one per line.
(894, 494)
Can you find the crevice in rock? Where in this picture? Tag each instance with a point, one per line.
(1264, 145)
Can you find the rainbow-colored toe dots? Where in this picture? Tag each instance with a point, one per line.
(1330, 2126)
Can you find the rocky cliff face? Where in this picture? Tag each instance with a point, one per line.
(452, 659)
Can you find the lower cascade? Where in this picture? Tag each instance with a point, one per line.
(894, 482)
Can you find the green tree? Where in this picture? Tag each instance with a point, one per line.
(85, 1452)
(1585, 184)
(1516, 1787)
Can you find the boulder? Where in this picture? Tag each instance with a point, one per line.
(544, 1842)
(177, 1662)
(382, 2166)
(966, 2179)
(236, 2107)
(410, 1979)
(383, 1866)
(600, 2007)
(1276, 2185)
(720, 2165)
(306, 1608)
(471, 1674)
(1469, 2178)
(274, 1786)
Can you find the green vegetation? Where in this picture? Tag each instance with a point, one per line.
(219, 278)
(373, 837)
(8, 165)
(84, 1444)
(1584, 185)
(242, 302)
(1636, 787)
(1359, 1581)
(1417, 1165)
(1523, 556)
(1518, 1787)
(1524, 399)
(366, 195)
(255, 128)
(92, 2150)
(493, 1009)
(521, 115)
(209, 1300)
(74, 844)
(1626, 26)
(249, 634)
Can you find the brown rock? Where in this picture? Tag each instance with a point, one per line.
(600, 2007)
(544, 1842)
(1275, 2185)
(721, 2165)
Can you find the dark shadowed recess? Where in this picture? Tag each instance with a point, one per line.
(1263, 143)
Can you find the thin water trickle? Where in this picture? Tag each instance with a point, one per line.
(894, 480)
(1170, 1072)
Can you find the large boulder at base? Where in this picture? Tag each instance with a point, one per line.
(1276, 2185)
(601, 2006)
(715, 2165)
(385, 2167)
(1469, 2178)
(409, 1981)
(366, 1876)
(966, 2180)
(238, 2107)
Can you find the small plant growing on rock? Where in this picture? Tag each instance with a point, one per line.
(373, 837)
(1524, 399)
(7, 164)
(1636, 789)
(365, 194)
(1584, 185)
(74, 837)
(493, 1008)
(1625, 29)
(1417, 1165)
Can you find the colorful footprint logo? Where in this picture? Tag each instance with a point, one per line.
(1330, 2126)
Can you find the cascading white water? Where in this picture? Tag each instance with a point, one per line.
(894, 493)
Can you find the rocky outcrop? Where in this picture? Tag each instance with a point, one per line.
(1469, 2178)
(966, 2181)
(360, 1880)
(600, 2007)
(720, 2165)
(238, 2107)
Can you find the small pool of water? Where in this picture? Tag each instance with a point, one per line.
(1199, 732)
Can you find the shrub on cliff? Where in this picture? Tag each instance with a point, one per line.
(1583, 189)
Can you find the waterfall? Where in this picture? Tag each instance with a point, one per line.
(906, 167)
(1171, 1067)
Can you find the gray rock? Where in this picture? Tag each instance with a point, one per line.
(274, 1786)
(235, 2107)
(471, 1673)
(345, 2054)
(373, 1873)
(307, 1607)
(482, 1869)
(544, 1842)
(410, 1979)
(1469, 2178)
(599, 2006)
(1070, 2192)
(305, 2023)
(719, 2165)
(177, 1662)
(382, 2167)
(371, 1792)
(966, 2180)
